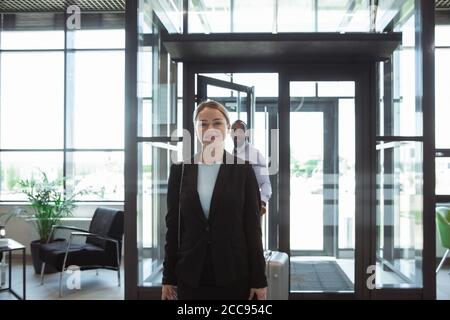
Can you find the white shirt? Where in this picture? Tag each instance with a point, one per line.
(248, 152)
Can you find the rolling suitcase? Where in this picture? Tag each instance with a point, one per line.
(277, 273)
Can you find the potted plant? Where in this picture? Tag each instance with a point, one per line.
(49, 203)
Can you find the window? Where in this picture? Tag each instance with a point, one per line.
(32, 100)
(100, 170)
(442, 113)
(216, 16)
(17, 165)
(99, 39)
(62, 103)
(98, 98)
(22, 40)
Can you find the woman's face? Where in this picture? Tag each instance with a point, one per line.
(211, 126)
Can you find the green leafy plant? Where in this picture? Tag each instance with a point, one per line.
(48, 203)
(304, 169)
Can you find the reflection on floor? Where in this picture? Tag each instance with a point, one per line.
(93, 287)
(400, 271)
(443, 284)
(151, 271)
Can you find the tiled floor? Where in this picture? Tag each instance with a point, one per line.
(93, 287)
(104, 286)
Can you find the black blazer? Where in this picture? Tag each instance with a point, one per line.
(233, 228)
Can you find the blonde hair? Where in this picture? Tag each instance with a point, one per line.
(213, 105)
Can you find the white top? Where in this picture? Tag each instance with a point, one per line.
(206, 180)
(248, 152)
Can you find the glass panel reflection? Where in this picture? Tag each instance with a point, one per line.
(293, 15)
(322, 183)
(154, 169)
(398, 113)
(399, 214)
(170, 13)
(159, 114)
(157, 86)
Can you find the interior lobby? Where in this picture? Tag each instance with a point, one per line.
(347, 100)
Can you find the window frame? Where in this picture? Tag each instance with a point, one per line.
(67, 109)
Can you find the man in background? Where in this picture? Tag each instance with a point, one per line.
(247, 152)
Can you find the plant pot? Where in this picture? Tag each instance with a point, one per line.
(37, 262)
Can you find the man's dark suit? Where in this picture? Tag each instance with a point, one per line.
(232, 230)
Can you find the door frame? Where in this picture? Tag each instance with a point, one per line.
(202, 94)
(364, 74)
(329, 109)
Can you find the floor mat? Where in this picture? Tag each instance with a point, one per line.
(319, 276)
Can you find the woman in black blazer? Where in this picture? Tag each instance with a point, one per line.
(215, 250)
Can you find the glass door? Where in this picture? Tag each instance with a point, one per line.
(322, 184)
(313, 128)
(238, 99)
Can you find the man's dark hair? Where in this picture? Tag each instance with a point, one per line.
(240, 122)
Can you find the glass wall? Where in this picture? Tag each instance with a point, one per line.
(158, 118)
(399, 152)
(400, 219)
(62, 103)
(275, 16)
(169, 12)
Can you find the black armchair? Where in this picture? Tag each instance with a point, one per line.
(102, 248)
